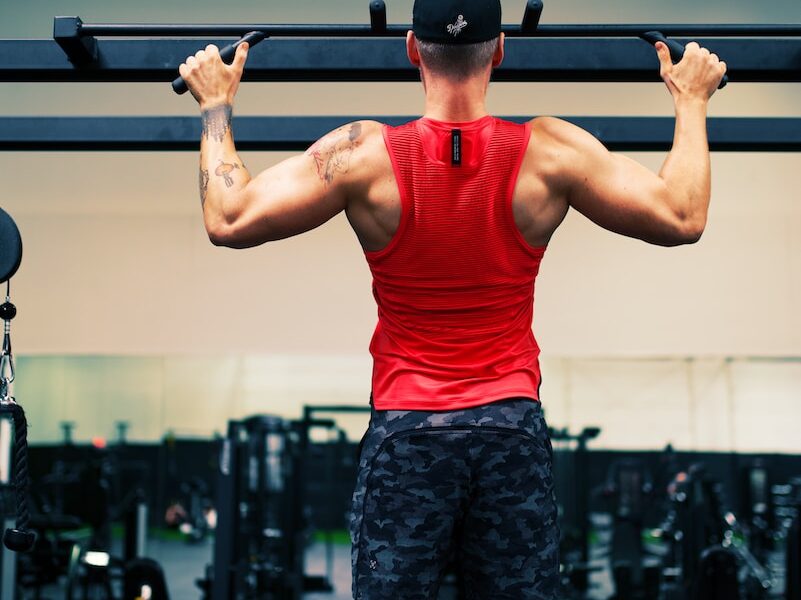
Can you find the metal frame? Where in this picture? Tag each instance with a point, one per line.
(297, 133)
(82, 52)
(384, 59)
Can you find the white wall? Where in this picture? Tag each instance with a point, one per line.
(116, 262)
(747, 405)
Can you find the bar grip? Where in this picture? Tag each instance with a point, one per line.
(531, 17)
(227, 55)
(378, 16)
(676, 50)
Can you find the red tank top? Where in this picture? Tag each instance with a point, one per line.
(455, 285)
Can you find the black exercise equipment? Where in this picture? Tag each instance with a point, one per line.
(676, 50)
(18, 538)
(194, 503)
(258, 548)
(226, 54)
(95, 573)
(263, 519)
(706, 558)
(531, 17)
(756, 508)
(793, 561)
(375, 53)
(571, 476)
(629, 489)
(378, 27)
(171, 134)
(10, 249)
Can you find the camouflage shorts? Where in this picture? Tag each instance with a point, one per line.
(470, 488)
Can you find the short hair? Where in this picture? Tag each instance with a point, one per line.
(457, 61)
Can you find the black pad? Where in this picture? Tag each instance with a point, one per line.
(10, 247)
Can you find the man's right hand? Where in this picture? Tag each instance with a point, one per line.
(696, 77)
(211, 81)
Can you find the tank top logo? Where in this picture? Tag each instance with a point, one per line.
(456, 28)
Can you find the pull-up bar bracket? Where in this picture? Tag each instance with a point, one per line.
(80, 49)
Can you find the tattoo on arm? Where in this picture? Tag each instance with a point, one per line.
(216, 121)
(204, 185)
(333, 152)
(224, 170)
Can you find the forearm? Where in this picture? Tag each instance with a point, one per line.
(223, 176)
(687, 169)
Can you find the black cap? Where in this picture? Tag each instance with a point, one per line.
(456, 21)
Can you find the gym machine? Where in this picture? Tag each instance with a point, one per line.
(707, 559)
(629, 490)
(13, 425)
(258, 549)
(263, 524)
(571, 477)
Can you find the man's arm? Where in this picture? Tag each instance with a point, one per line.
(294, 196)
(623, 196)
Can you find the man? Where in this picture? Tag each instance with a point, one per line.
(454, 212)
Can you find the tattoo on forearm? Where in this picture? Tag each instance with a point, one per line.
(333, 152)
(204, 185)
(216, 122)
(224, 170)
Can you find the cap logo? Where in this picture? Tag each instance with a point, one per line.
(456, 28)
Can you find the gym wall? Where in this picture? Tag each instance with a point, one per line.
(126, 312)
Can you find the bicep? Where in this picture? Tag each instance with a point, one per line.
(285, 200)
(616, 192)
(302, 192)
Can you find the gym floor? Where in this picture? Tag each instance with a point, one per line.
(184, 563)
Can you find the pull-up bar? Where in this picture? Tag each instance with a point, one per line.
(356, 31)
(374, 52)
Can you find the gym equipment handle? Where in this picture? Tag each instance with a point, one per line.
(227, 55)
(676, 50)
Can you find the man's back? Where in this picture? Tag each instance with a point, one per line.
(454, 284)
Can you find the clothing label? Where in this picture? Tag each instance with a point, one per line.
(456, 137)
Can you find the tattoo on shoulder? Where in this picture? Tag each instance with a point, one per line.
(216, 121)
(333, 152)
(204, 185)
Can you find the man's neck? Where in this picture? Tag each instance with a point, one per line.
(459, 102)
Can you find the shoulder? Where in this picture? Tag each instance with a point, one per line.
(354, 137)
(561, 147)
(558, 132)
(350, 135)
(346, 152)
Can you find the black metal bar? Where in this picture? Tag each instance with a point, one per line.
(377, 60)
(378, 17)
(356, 30)
(297, 133)
(531, 17)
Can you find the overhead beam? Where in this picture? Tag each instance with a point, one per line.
(384, 59)
(298, 133)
